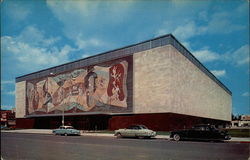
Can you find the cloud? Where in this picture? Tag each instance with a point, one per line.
(3, 82)
(206, 55)
(200, 22)
(239, 57)
(17, 11)
(221, 20)
(245, 94)
(7, 107)
(219, 73)
(12, 93)
(85, 55)
(81, 43)
(31, 50)
(35, 37)
(85, 23)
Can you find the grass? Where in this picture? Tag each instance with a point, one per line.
(239, 132)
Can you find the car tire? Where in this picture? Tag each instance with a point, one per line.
(118, 135)
(66, 134)
(176, 137)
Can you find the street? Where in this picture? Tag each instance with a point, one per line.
(41, 146)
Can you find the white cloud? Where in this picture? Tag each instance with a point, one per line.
(17, 11)
(219, 73)
(245, 94)
(188, 30)
(7, 107)
(35, 37)
(85, 55)
(93, 42)
(186, 26)
(84, 21)
(221, 20)
(206, 55)
(3, 82)
(31, 50)
(240, 56)
(12, 93)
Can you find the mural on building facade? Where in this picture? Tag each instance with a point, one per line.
(80, 90)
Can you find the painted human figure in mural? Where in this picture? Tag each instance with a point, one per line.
(33, 97)
(90, 86)
(47, 97)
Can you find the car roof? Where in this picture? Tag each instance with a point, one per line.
(200, 125)
(65, 126)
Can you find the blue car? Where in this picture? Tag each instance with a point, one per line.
(66, 130)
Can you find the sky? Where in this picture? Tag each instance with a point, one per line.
(39, 34)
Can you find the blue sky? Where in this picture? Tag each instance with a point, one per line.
(40, 34)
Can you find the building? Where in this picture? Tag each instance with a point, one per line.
(8, 118)
(158, 83)
(244, 121)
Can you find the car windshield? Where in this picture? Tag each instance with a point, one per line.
(143, 127)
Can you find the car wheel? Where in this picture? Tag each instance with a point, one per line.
(119, 135)
(176, 137)
(66, 134)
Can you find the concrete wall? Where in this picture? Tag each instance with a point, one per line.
(166, 81)
(20, 99)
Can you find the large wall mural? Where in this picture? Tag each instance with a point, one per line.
(94, 88)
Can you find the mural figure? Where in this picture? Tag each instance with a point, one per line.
(80, 90)
(90, 86)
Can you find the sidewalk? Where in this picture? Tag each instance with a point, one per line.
(49, 131)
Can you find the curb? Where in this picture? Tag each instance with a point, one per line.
(247, 140)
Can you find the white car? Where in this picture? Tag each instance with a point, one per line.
(138, 131)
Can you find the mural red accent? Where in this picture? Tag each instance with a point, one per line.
(115, 86)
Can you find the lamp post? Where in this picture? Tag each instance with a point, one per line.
(63, 117)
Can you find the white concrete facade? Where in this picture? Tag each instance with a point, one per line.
(20, 99)
(166, 81)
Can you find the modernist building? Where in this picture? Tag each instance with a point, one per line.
(158, 83)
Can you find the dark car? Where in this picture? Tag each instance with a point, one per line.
(200, 132)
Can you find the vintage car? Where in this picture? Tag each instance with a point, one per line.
(138, 131)
(200, 132)
(66, 130)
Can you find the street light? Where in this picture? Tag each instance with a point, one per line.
(63, 117)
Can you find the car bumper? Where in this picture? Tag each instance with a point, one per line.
(153, 134)
(227, 137)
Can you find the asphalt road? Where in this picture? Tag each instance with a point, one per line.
(18, 146)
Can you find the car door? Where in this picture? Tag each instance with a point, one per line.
(137, 131)
(205, 133)
(131, 131)
(214, 134)
(60, 130)
(194, 133)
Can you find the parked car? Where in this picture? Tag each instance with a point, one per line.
(200, 132)
(66, 130)
(4, 127)
(138, 131)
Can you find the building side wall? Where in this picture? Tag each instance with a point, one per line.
(166, 81)
(20, 99)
